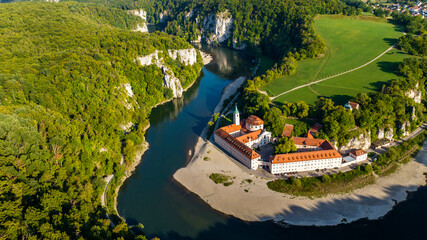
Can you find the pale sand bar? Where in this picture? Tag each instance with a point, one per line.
(260, 203)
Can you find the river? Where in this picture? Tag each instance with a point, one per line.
(167, 210)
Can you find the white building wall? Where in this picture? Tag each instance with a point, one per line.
(301, 166)
(252, 164)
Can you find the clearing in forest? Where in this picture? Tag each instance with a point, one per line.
(351, 42)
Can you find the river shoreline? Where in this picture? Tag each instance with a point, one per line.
(255, 202)
(144, 146)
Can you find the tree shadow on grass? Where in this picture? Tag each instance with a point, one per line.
(338, 99)
(389, 67)
(390, 41)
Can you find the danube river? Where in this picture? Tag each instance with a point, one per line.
(151, 196)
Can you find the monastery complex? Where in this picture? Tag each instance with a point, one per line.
(242, 137)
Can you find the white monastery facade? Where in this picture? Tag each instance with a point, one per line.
(240, 138)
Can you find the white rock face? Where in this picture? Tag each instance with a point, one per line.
(415, 94)
(405, 128)
(172, 82)
(128, 89)
(54, 1)
(386, 134)
(163, 16)
(219, 25)
(142, 14)
(363, 141)
(185, 56)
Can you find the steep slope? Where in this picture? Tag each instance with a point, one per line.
(69, 85)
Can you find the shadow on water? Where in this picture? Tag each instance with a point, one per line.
(406, 221)
(151, 197)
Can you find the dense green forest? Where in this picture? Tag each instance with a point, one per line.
(272, 27)
(63, 72)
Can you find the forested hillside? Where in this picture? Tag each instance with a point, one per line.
(69, 83)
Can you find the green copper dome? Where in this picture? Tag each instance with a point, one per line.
(236, 111)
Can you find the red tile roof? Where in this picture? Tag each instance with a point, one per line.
(231, 128)
(254, 120)
(357, 153)
(245, 150)
(304, 156)
(316, 128)
(287, 130)
(249, 137)
(324, 144)
(353, 105)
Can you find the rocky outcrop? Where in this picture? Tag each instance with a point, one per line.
(163, 16)
(404, 128)
(415, 94)
(185, 56)
(386, 133)
(142, 14)
(363, 141)
(219, 27)
(172, 82)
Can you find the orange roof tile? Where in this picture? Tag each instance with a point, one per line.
(245, 150)
(249, 137)
(353, 105)
(231, 128)
(287, 130)
(316, 128)
(304, 156)
(254, 120)
(359, 152)
(322, 143)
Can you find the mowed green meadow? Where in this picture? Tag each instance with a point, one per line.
(340, 89)
(351, 42)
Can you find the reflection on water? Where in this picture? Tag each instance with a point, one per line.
(151, 197)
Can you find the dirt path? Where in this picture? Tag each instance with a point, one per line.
(336, 75)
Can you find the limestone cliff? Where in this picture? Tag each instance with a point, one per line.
(362, 141)
(386, 133)
(185, 56)
(218, 27)
(404, 128)
(142, 14)
(415, 94)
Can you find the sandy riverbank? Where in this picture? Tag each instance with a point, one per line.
(259, 203)
(255, 202)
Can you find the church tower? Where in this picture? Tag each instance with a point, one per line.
(236, 116)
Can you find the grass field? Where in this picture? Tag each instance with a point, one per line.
(340, 89)
(351, 42)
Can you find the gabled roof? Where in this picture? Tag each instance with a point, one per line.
(249, 137)
(316, 128)
(322, 143)
(242, 148)
(287, 130)
(304, 156)
(231, 128)
(359, 152)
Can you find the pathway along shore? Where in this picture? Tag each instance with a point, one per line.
(249, 198)
(253, 201)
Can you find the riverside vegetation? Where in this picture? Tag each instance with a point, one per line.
(63, 73)
(64, 68)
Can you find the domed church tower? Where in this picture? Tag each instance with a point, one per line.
(236, 116)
